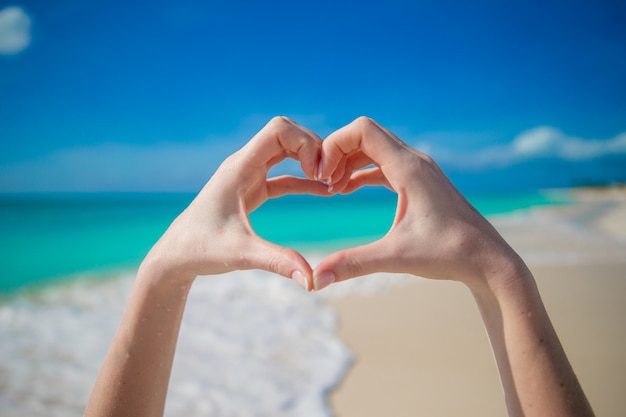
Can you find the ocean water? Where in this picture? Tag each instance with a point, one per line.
(49, 237)
(251, 343)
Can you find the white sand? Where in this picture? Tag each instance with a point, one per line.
(421, 349)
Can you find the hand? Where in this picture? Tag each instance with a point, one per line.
(436, 233)
(213, 235)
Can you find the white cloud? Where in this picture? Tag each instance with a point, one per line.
(118, 167)
(171, 166)
(14, 30)
(124, 167)
(114, 166)
(540, 142)
(545, 141)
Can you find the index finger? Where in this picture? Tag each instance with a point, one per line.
(365, 135)
(281, 138)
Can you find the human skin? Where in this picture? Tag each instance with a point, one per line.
(437, 234)
(212, 236)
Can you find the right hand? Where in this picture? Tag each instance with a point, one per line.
(436, 233)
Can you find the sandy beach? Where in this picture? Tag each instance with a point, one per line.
(420, 348)
(253, 343)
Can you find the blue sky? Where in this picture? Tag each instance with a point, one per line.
(113, 95)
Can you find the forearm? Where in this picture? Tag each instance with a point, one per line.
(134, 377)
(535, 372)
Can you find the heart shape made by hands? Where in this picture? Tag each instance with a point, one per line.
(346, 168)
(312, 224)
(435, 232)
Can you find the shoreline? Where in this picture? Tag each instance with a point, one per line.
(403, 332)
(421, 349)
(48, 237)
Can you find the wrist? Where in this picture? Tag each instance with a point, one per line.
(157, 272)
(503, 276)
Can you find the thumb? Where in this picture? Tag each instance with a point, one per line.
(351, 263)
(287, 262)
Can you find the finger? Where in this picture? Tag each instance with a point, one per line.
(340, 178)
(310, 154)
(277, 159)
(359, 160)
(364, 135)
(353, 262)
(340, 171)
(284, 185)
(282, 137)
(348, 165)
(363, 178)
(270, 257)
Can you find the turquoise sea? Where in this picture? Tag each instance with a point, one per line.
(50, 237)
(251, 343)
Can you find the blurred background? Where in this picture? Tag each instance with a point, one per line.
(114, 113)
(124, 96)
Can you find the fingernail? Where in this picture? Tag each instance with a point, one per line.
(300, 280)
(330, 188)
(318, 174)
(323, 280)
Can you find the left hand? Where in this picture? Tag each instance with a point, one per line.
(213, 235)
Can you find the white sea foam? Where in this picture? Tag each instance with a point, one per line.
(251, 344)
